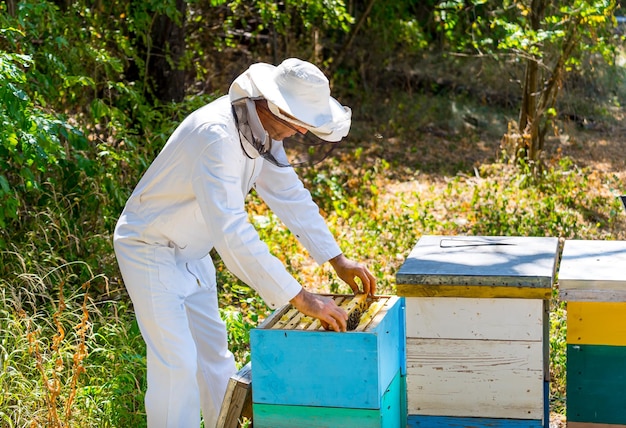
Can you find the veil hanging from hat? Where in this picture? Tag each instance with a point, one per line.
(297, 150)
(298, 94)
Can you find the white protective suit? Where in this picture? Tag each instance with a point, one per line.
(189, 201)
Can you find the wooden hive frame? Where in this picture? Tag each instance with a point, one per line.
(361, 310)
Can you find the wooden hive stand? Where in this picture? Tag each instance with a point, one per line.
(237, 402)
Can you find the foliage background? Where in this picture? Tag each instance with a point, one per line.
(90, 91)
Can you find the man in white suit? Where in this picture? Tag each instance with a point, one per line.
(191, 200)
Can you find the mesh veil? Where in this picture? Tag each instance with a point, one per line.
(295, 151)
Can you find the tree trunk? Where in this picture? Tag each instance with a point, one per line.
(164, 70)
(529, 145)
(11, 8)
(528, 110)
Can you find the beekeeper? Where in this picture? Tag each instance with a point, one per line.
(191, 200)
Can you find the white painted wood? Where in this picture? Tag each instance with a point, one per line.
(583, 295)
(499, 379)
(593, 265)
(474, 318)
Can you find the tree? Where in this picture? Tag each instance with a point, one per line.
(310, 29)
(549, 38)
(168, 47)
(158, 33)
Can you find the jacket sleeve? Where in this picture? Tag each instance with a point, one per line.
(217, 184)
(283, 191)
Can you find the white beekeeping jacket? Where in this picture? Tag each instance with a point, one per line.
(192, 197)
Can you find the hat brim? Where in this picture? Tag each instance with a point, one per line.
(332, 127)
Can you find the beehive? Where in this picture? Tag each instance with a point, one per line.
(303, 375)
(592, 280)
(477, 330)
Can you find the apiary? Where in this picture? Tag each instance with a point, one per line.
(592, 280)
(304, 375)
(477, 327)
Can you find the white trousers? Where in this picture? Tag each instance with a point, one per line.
(188, 361)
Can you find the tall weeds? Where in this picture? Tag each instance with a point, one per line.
(45, 346)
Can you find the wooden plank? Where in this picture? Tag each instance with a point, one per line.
(237, 402)
(315, 325)
(285, 416)
(279, 318)
(389, 325)
(305, 322)
(584, 295)
(419, 421)
(596, 323)
(471, 318)
(475, 378)
(591, 284)
(294, 321)
(481, 291)
(593, 265)
(391, 414)
(500, 261)
(596, 375)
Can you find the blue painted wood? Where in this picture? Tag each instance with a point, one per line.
(391, 414)
(546, 403)
(329, 369)
(419, 421)
(404, 401)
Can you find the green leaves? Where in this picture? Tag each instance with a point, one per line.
(257, 17)
(548, 39)
(63, 101)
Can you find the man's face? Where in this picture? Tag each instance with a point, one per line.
(277, 128)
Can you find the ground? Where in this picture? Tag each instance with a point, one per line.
(557, 421)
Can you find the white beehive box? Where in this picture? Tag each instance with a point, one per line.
(477, 329)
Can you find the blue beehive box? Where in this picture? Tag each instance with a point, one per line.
(303, 375)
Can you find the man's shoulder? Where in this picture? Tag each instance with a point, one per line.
(215, 110)
(215, 115)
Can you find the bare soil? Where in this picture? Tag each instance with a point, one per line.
(601, 148)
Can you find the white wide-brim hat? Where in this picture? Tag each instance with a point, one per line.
(297, 92)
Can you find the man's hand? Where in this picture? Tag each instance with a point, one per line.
(348, 270)
(323, 308)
